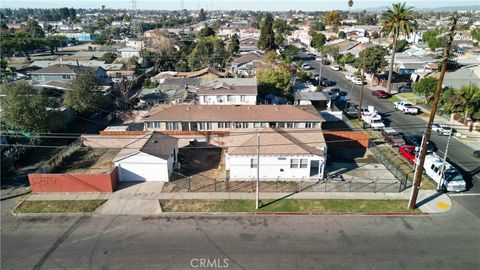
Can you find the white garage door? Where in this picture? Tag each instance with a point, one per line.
(141, 172)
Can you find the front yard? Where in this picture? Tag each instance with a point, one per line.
(285, 205)
(61, 206)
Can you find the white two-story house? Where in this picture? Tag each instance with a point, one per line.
(228, 91)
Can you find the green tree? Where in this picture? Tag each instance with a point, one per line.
(333, 19)
(279, 39)
(470, 95)
(208, 52)
(289, 52)
(332, 51)
(274, 82)
(24, 109)
(395, 21)
(267, 39)
(33, 29)
(318, 40)
(202, 16)
(53, 42)
(234, 45)
(434, 38)
(475, 33)
(373, 58)
(342, 35)
(280, 26)
(426, 87)
(99, 40)
(108, 57)
(401, 45)
(317, 26)
(83, 94)
(206, 32)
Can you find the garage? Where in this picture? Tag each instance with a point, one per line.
(153, 162)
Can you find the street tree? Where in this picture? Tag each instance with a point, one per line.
(395, 21)
(202, 16)
(276, 81)
(34, 29)
(267, 38)
(373, 58)
(108, 57)
(401, 45)
(426, 87)
(25, 110)
(208, 52)
(234, 45)
(342, 35)
(318, 40)
(206, 32)
(333, 18)
(83, 94)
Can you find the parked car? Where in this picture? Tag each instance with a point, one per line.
(357, 81)
(399, 104)
(416, 140)
(327, 83)
(351, 110)
(442, 129)
(349, 77)
(318, 58)
(408, 152)
(325, 61)
(306, 66)
(380, 94)
(392, 137)
(476, 153)
(405, 89)
(335, 67)
(410, 109)
(333, 91)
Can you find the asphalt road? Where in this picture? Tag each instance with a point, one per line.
(459, 154)
(447, 241)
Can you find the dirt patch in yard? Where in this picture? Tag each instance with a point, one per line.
(87, 160)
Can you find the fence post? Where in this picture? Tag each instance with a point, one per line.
(190, 183)
(301, 184)
(326, 182)
(215, 184)
(375, 187)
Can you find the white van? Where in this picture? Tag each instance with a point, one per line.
(452, 179)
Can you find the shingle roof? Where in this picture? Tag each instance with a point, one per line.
(246, 58)
(227, 90)
(57, 69)
(260, 113)
(278, 142)
(160, 145)
(310, 96)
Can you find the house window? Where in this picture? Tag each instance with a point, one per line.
(243, 98)
(292, 125)
(281, 124)
(253, 163)
(172, 126)
(293, 163)
(241, 125)
(310, 125)
(66, 77)
(223, 124)
(303, 163)
(230, 98)
(39, 77)
(153, 124)
(219, 99)
(260, 124)
(204, 126)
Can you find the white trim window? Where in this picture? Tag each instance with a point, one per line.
(223, 124)
(294, 163)
(153, 124)
(311, 125)
(172, 126)
(292, 125)
(303, 163)
(204, 125)
(243, 99)
(260, 124)
(253, 163)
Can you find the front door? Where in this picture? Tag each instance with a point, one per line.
(314, 165)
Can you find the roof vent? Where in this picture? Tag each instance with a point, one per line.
(155, 141)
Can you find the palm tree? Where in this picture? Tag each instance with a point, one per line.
(395, 21)
(350, 4)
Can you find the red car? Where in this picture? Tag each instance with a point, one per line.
(408, 152)
(380, 94)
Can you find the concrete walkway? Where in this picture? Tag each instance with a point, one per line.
(146, 203)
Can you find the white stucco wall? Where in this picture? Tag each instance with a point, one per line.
(143, 167)
(271, 167)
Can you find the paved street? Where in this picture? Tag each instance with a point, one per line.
(459, 154)
(447, 241)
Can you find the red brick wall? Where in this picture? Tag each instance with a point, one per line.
(105, 182)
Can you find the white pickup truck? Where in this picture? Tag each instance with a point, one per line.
(406, 107)
(371, 118)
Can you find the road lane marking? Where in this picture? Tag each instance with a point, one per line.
(464, 194)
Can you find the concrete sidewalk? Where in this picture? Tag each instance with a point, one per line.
(147, 203)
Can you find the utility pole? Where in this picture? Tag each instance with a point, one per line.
(360, 98)
(257, 195)
(440, 183)
(426, 138)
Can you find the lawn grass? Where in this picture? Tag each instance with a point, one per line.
(286, 205)
(394, 99)
(63, 206)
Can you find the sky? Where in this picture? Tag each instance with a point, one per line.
(267, 5)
